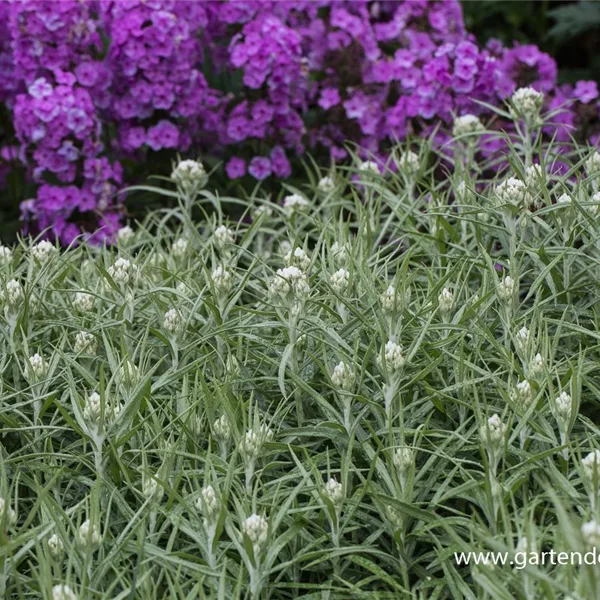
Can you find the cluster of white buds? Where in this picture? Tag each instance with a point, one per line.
(295, 203)
(256, 529)
(537, 366)
(123, 271)
(88, 536)
(334, 491)
(591, 533)
(222, 280)
(492, 432)
(208, 504)
(527, 103)
(343, 377)
(55, 546)
(506, 288)
(152, 490)
(522, 339)
(43, 251)
(252, 442)
(63, 592)
(326, 184)
(83, 302)
(534, 176)
(290, 281)
(179, 247)
(523, 394)
(513, 191)
(391, 358)
(223, 237)
(92, 409)
(14, 293)
(564, 407)
(38, 366)
(369, 166)
(403, 459)
(262, 209)
(339, 281)
(125, 235)
(594, 207)
(591, 466)
(298, 258)
(85, 343)
(190, 176)
(564, 200)
(446, 300)
(172, 321)
(339, 253)
(222, 429)
(8, 517)
(6, 255)
(409, 163)
(467, 125)
(592, 163)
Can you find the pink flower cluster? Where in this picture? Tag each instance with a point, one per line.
(93, 84)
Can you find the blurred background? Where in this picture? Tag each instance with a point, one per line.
(569, 31)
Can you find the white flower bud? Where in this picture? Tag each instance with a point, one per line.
(522, 339)
(125, 235)
(179, 247)
(409, 163)
(123, 271)
(223, 237)
(534, 176)
(334, 492)
(256, 529)
(343, 377)
(493, 431)
(564, 406)
(403, 459)
(327, 184)
(527, 103)
(446, 300)
(129, 373)
(252, 442)
(523, 394)
(391, 357)
(83, 302)
(594, 207)
(190, 176)
(43, 251)
(152, 490)
(369, 166)
(55, 546)
(591, 465)
(222, 280)
(263, 209)
(92, 409)
(513, 191)
(172, 321)
(339, 253)
(222, 429)
(85, 343)
(339, 281)
(592, 163)
(208, 504)
(467, 124)
(38, 366)
(8, 517)
(290, 281)
(591, 533)
(295, 203)
(537, 366)
(506, 288)
(564, 200)
(63, 592)
(297, 258)
(88, 535)
(14, 293)
(6, 255)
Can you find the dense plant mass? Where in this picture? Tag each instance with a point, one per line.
(329, 397)
(94, 86)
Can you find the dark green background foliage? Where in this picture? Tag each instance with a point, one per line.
(569, 31)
